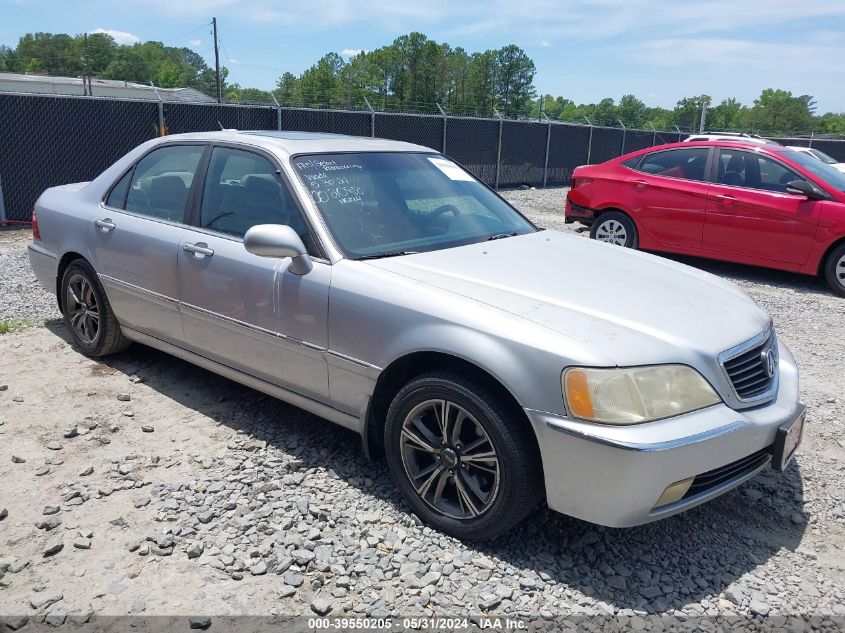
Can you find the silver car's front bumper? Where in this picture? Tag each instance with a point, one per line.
(614, 475)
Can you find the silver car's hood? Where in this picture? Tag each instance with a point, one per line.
(626, 306)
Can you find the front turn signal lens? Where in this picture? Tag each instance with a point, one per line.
(578, 394)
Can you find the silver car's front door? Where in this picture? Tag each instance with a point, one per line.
(135, 237)
(252, 314)
(248, 312)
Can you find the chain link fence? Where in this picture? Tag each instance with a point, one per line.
(47, 140)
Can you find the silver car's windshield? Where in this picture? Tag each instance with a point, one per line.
(829, 174)
(823, 157)
(380, 204)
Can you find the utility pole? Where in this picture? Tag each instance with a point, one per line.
(85, 83)
(703, 114)
(217, 62)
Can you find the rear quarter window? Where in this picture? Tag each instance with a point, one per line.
(117, 195)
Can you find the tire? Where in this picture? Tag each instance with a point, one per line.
(614, 227)
(834, 270)
(93, 327)
(487, 421)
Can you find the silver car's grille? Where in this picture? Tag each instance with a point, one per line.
(752, 367)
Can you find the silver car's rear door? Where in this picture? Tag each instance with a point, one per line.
(136, 235)
(245, 311)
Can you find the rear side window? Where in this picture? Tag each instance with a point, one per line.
(161, 182)
(686, 163)
(117, 196)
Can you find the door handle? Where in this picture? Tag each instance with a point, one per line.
(200, 250)
(640, 184)
(726, 200)
(105, 225)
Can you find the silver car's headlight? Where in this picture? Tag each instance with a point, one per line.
(631, 395)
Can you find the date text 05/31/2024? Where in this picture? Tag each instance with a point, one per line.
(420, 624)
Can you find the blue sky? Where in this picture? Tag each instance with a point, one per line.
(660, 50)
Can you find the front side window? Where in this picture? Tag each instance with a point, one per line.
(383, 203)
(820, 170)
(686, 163)
(161, 182)
(243, 189)
(746, 169)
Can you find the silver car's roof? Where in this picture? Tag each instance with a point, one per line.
(293, 142)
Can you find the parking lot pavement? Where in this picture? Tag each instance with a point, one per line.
(144, 485)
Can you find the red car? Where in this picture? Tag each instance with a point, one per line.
(764, 205)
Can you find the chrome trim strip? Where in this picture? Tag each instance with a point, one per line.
(743, 347)
(707, 495)
(254, 328)
(313, 406)
(137, 289)
(353, 360)
(652, 447)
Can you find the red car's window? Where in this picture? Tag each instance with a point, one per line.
(746, 169)
(688, 163)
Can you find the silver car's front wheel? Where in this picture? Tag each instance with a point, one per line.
(450, 459)
(614, 227)
(463, 454)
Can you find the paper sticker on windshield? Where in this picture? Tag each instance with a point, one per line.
(450, 169)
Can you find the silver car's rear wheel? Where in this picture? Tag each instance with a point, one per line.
(450, 459)
(614, 227)
(83, 311)
(463, 454)
(88, 314)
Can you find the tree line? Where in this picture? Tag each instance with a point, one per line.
(98, 55)
(773, 112)
(412, 74)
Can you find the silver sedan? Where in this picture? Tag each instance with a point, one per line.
(381, 286)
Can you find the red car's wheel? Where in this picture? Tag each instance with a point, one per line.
(834, 270)
(614, 227)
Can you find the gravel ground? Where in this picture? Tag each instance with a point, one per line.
(144, 485)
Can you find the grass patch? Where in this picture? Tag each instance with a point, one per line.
(7, 327)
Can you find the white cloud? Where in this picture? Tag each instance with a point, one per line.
(233, 61)
(121, 37)
(196, 42)
(542, 19)
(729, 54)
(545, 44)
(351, 52)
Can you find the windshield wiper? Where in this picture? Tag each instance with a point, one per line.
(387, 254)
(499, 236)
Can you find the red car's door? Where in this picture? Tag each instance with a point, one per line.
(750, 214)
(667, 195)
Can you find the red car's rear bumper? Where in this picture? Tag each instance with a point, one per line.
(577, 213)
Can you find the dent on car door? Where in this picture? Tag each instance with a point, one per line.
(751, 215)
(135, 238)
(245, 311)
(667, 194)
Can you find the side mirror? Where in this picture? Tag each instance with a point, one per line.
(804, 188)
(278, 240)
